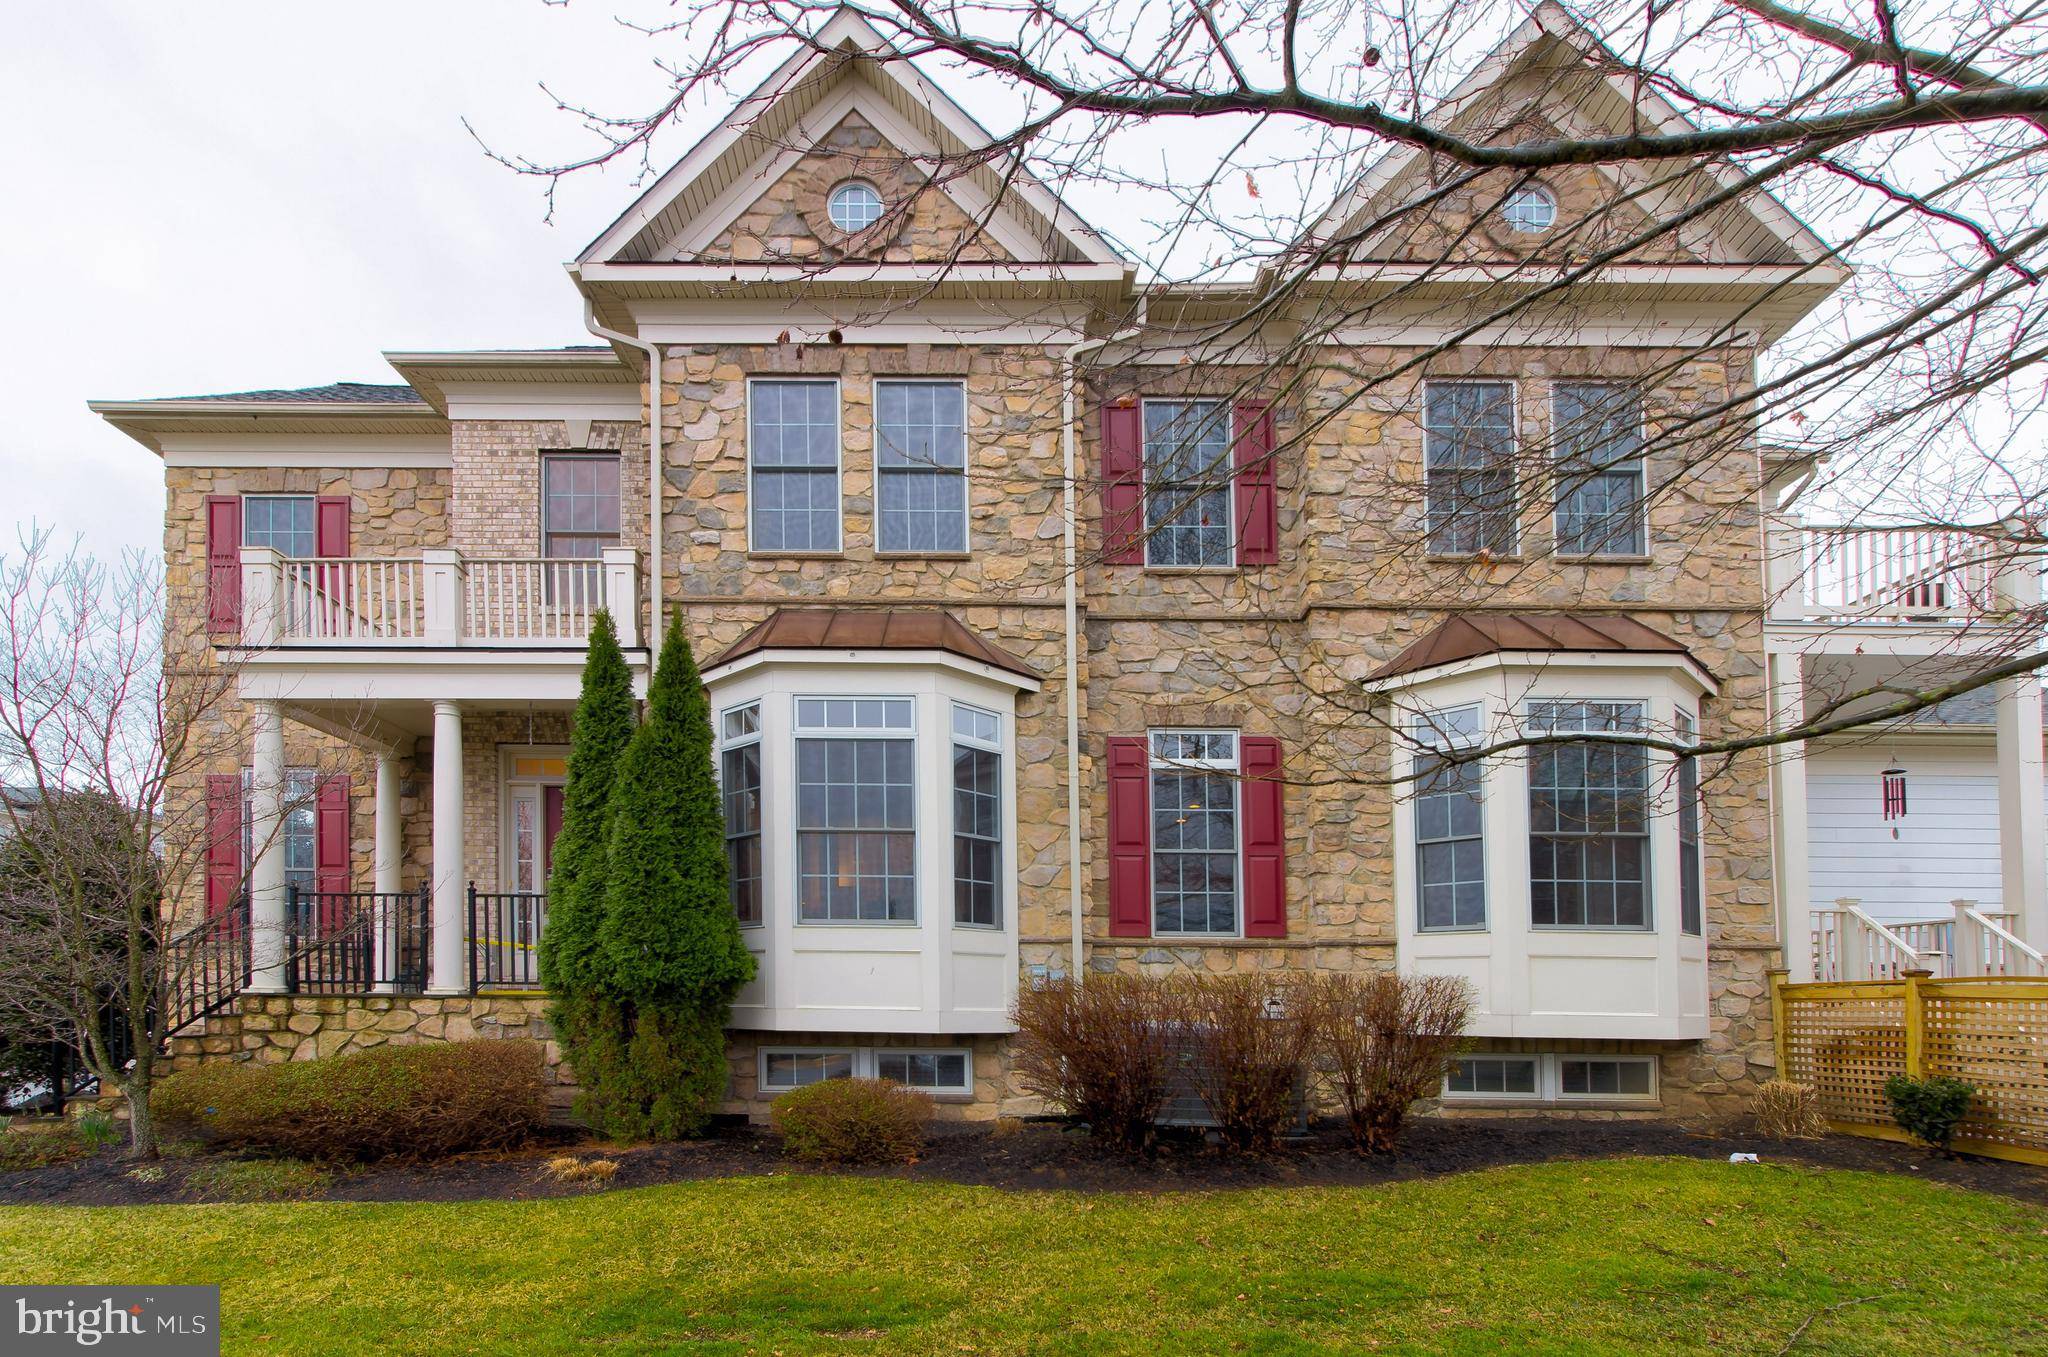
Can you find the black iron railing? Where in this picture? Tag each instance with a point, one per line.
(504, 939)
(356, 942)
(207, 966)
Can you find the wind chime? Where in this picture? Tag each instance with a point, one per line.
(1892, 781)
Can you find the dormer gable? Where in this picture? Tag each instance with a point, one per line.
(846, 108)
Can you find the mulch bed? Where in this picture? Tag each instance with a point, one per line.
(1046, 1155)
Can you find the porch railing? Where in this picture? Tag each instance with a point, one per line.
(357, 942)
(441, 598)
(1850, 945)
(207, 966)
(1847, 572)
(504, 939)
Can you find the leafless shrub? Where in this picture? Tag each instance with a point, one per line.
(1099, 1051)
(1248, 1042)
(853, 1121)
(1788, 1111)
(1387, 1041)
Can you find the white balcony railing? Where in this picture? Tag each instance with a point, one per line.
(1850, 573)
(438, 599)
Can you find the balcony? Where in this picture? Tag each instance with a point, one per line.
(1839, 574)
(439, 600)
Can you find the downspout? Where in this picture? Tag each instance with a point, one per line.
(654, 562)
(1069, 559)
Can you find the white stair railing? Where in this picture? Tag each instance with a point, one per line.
(1867, 950)
(1985, 946)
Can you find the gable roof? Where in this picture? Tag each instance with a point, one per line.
(1470, 636)
(871, 629)
(333, 393)
(1758, 227)
(847, 63)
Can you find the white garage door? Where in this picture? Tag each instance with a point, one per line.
(1946, 848)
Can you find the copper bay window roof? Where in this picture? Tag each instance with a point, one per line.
(872, 629)
(1472, 635)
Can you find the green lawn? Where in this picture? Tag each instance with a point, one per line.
(1623, 1257)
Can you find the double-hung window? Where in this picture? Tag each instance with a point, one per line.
(1690, 887)
(284, 523)
(856, 811)
(1450, 846)
(740, 788)
(920, 466)
(1468, 438)
(1589, 817)
(977, 817)
(1194, 831)
(579, 518)
(1598, 432)
(297, 835)
(793, 465)
(1187, 483)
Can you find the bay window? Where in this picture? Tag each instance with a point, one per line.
(1194, 831)
(740, 789)
(1450, 846)
(856, 818)
(1690, 887)
(977, 817)
(1589, 818)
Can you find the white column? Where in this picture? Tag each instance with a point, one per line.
(267, 923)
(386, 872)
(1789, 844)
(445, 974)
(263, 597)
(2023, 873)
(445, 585)
(622, 592)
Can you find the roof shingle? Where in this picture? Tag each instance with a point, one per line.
(871, 629)
(1470, 635)
(334, 393)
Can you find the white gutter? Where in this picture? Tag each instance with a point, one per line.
(1075, 895)
(654, 468)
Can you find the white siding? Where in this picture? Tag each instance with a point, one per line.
(1947, 846)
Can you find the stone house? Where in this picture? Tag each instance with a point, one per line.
(1050, 619)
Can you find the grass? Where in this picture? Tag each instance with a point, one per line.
(1637, 1256)
(258, 1180)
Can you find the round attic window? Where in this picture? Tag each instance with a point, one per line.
(1529, 209)
(854, 206)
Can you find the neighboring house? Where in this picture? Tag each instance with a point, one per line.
(864, 501)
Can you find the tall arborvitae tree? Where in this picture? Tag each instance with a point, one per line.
(604, 725)
(672, 955)
(587, 1020)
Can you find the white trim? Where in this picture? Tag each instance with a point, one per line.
(812, 275)
(1230, 436)
(1671, 662)
(320, 451)
(1535, 1095)
(543, 401)
(1154, 763)
(912, 659)
(838, 466)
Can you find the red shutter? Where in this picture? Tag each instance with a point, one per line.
(330, 525)
(1258, 514)
(1123, 485)
(1130, 838)
(1265, 838)
(223, 563)
(332, 839)
(223, 842)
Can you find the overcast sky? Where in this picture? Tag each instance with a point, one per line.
(225, 195)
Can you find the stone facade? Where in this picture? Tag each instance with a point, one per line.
(1275, 650)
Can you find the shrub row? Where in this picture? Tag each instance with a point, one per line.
(1112, 1050)
(414, 1101)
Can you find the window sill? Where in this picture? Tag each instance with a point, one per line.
(924, 555)
(857, 923)
(1605, 930)
(795, 555)
(1468, 931)
(1193, 570)
(1473, 557)
(1575, 558)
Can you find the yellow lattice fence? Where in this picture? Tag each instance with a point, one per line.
(1845, 1040)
